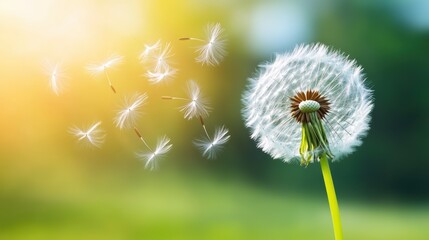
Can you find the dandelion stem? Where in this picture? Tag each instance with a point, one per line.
(141, 138)
(332, 198)
(110, 82)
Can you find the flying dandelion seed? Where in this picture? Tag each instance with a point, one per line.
(211, 146)
(93, 136)
(152, 157)
(96, 69)
(311, 105)
(148, 50)
(213, 51)
(56, 77)
(196, 106)
(162, 75)
(54, 80)
(160, 57)
(129, 113)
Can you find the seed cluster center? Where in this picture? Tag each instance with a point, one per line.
(304, 103)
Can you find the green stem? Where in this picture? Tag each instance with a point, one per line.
(332, 198)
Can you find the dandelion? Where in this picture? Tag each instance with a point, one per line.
(152, 157)
(148, 50)
(311, 105)
(196, 105)
(210, 146)
(92, 136)
(161, 75)
(285, 93)
(130, 111)
(213, 51)
(96, 69)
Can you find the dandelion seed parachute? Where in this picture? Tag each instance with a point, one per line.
(111, 62)
(130, 111)
(197, 105)
(269, 97)
(151, 158)
(93, 135)
(148, 50)
(162, 75)
(213, 52)
(96, 69)
(55, 80)
(161, 57)
(210, 147)
(56, 76)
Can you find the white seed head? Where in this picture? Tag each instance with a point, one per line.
(129, 113)
(210, 147)
(92, 136)
(213, 51)
(163, 146)
(308, 67)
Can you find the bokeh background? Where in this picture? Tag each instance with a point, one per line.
(52, 188)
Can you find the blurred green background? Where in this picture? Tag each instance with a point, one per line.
(50, 188)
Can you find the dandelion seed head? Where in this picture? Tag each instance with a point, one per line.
(151, 159)
(269, 97)
(92, 136)
(129, 113)
(210, 147)
(198, 105)
(213, 52)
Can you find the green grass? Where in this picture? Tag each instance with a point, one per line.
(193, 207)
